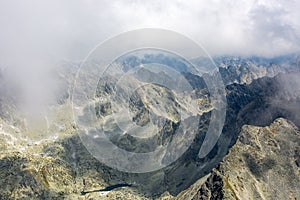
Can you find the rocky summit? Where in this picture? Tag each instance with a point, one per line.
(263, 164)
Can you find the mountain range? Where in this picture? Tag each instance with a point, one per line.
(259, 144)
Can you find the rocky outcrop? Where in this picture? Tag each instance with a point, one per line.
(263, 164)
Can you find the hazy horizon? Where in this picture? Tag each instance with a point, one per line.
(36, 36)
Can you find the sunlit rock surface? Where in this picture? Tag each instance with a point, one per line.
(263, 164)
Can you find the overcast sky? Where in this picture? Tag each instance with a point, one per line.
(56, 29)
(35, 35)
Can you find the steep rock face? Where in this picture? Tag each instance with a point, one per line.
(263, 164)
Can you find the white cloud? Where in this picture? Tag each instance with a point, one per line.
(36, 35)
(266, 28)
(70, 29)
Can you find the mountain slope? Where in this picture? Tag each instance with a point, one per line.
(263, 164)
(34, 168)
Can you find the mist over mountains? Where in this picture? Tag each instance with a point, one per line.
(196, 100)
(258, 91)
